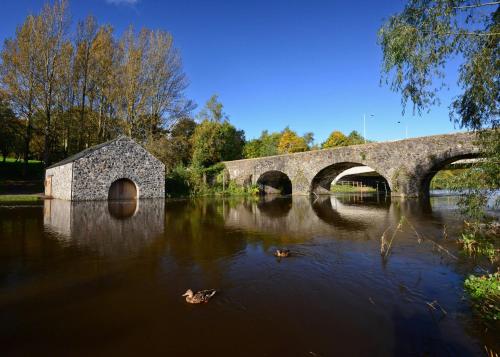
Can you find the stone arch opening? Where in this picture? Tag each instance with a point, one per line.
(122, 189)
(274, 182)
(443, 170)
(354, 176)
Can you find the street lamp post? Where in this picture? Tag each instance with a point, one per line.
(406, 130)
(364, 125)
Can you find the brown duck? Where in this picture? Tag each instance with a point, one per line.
(282, 253)
(200, 296)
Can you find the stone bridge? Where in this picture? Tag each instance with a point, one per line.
(406, 166)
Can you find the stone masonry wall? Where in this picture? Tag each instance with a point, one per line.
(122, 158)
(407, 164)
(61, 181)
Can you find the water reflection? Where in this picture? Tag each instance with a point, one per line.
(79, 271)
(298, 216)
(274, 206)
(114, 228)
(122, 209)
(197, 232)
(352, 214)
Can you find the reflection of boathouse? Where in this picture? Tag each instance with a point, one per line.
(117, 169)
(109, 228)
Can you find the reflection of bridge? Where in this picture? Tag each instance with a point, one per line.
(407, 165)
(299, 215)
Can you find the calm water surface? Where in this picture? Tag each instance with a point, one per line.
(106, 279)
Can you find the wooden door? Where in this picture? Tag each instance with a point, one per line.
(48, 186)
(122, 189)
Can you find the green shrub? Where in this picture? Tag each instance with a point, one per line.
(203, 181)
(484, 292)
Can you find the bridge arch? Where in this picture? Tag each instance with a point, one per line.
(274, 182)
(437, 165)
(322, 181)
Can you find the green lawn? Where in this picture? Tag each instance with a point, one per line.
(11, 159)
(20, 198)
(346, 188)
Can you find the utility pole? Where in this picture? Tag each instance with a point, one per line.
(364, 127)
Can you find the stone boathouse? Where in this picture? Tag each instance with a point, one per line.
(117, 169)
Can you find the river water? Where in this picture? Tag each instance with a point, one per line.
(106, 279)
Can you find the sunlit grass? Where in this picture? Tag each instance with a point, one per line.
(346, 188)
(11, 159)
(20, 198)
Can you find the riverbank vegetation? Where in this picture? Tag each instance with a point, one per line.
(417, 43)
(484, 291)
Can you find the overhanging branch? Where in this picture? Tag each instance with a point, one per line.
(492, 3)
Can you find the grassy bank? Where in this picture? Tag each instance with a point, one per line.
(447, 179)
(20, 198)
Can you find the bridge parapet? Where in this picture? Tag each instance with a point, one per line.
(407, 165)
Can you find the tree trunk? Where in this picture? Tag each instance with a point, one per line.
(82, 113)
(46, 146)
(27, 139)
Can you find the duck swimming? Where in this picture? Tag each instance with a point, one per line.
(200, 296)
(282, 253)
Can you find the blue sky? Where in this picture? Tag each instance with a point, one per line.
(313, 65)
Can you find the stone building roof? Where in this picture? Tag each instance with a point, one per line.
(86, 152)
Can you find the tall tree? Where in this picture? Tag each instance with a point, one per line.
(50, 31)
(290, 142)
(84, 63)
(18, 77)
(265, 145)
(133, 81)
(106, 81)
(215, 140)
(355, 138)
(166, 81)
(175, 148)
(336, 138)
(213, 110)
